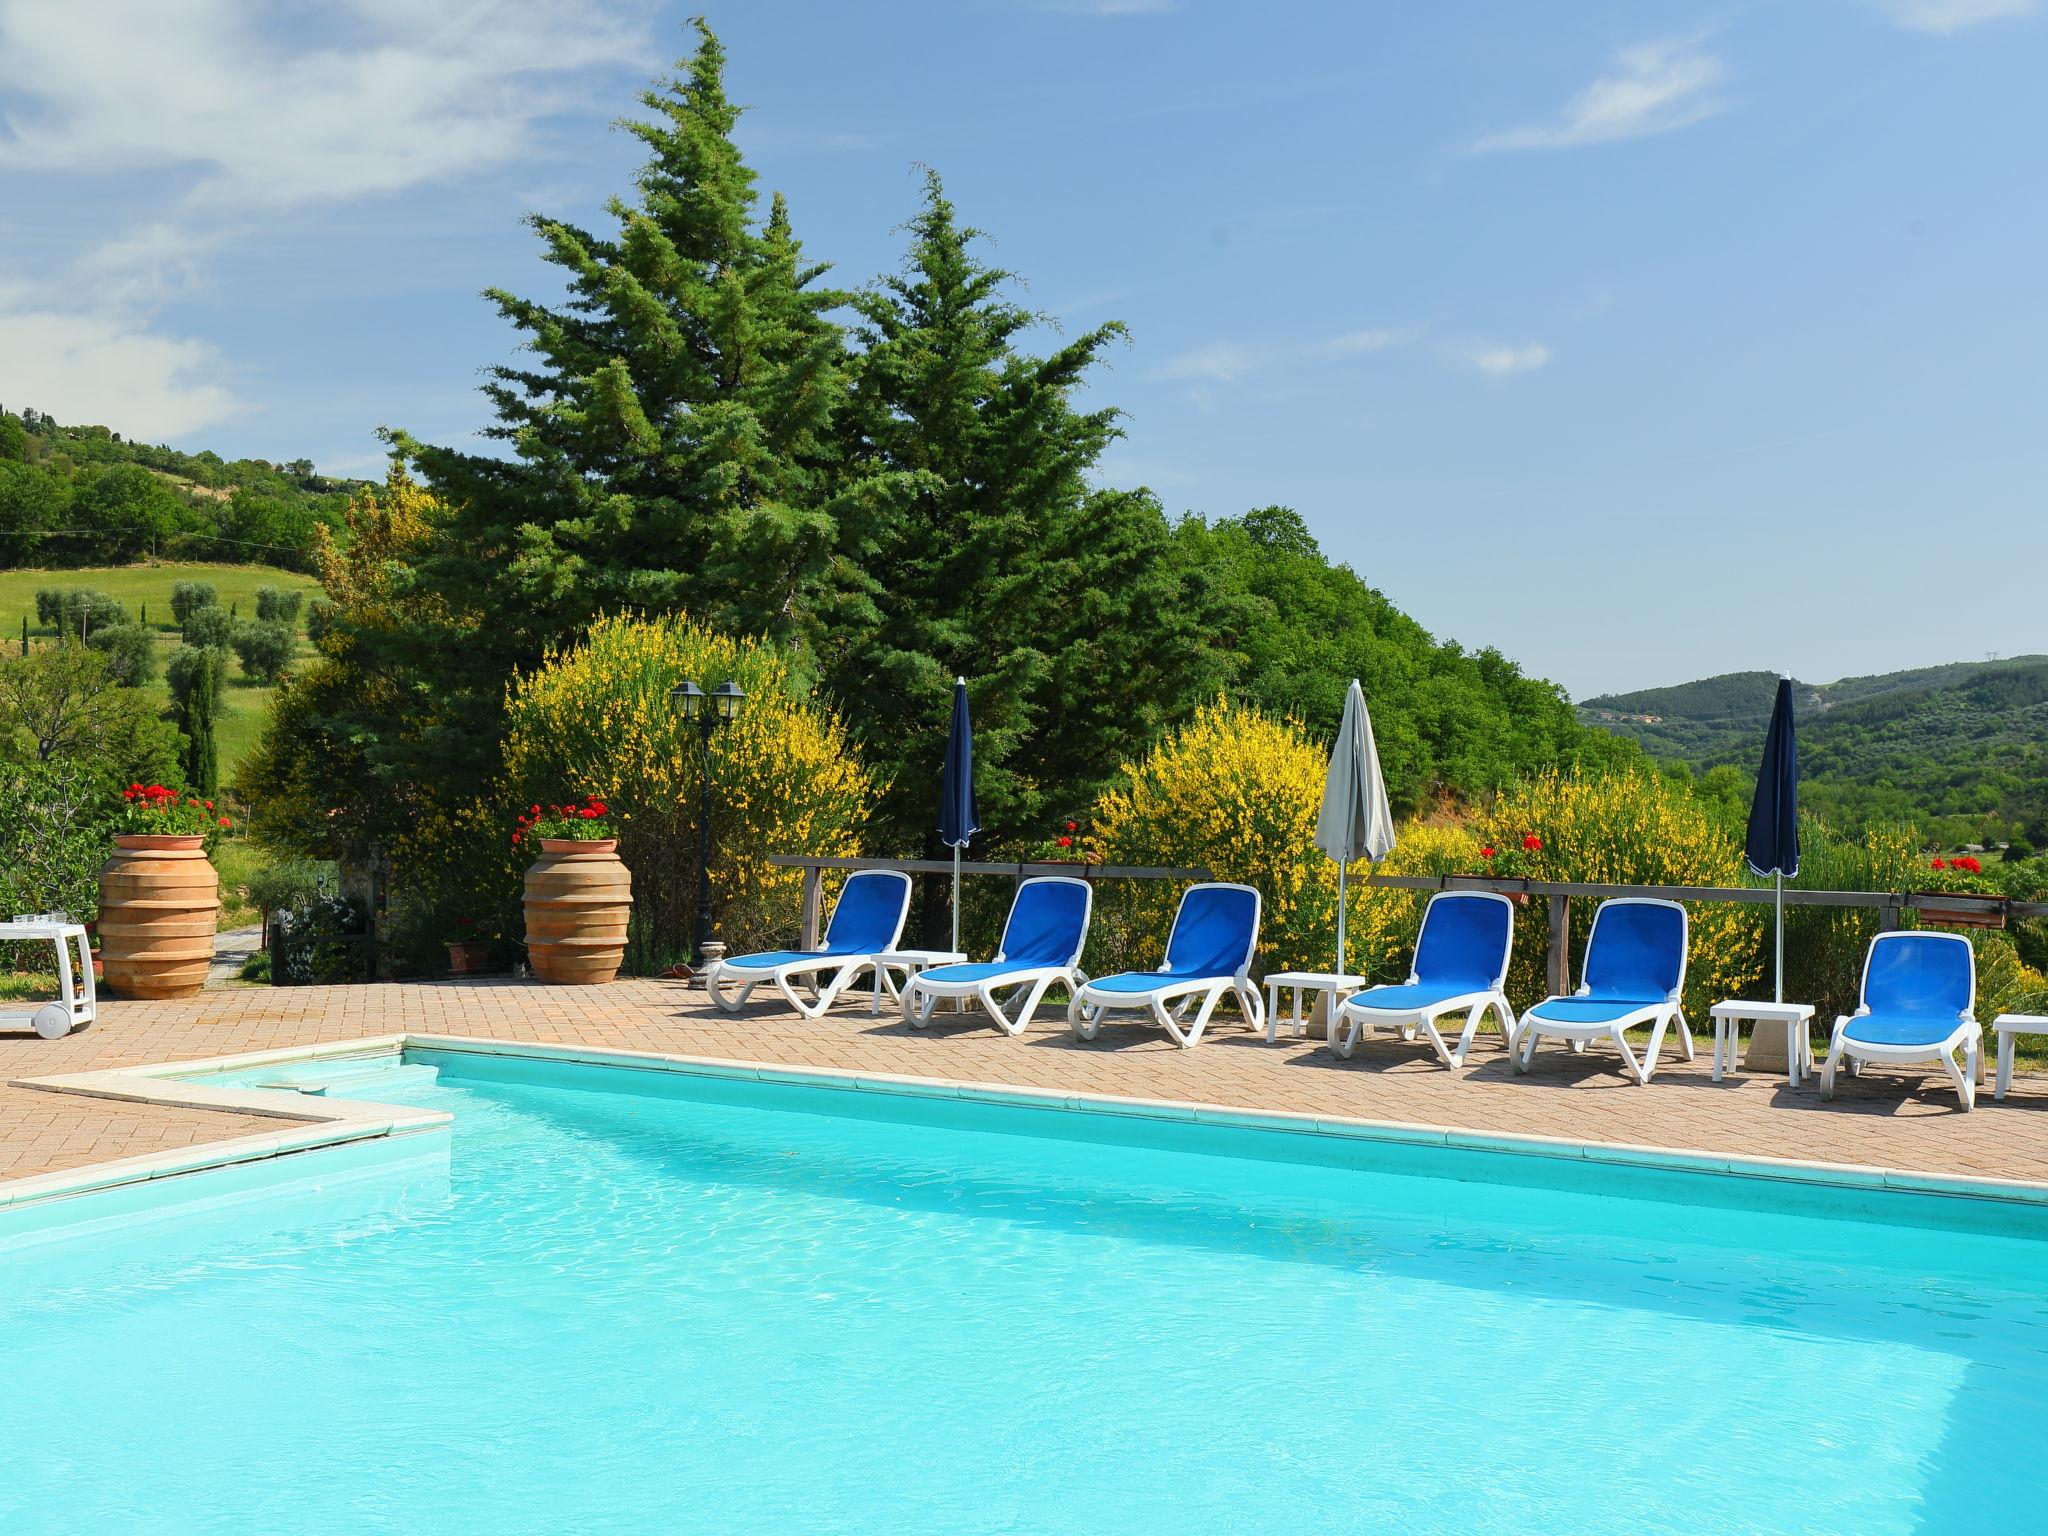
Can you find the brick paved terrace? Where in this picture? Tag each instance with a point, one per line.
(1897, 1121)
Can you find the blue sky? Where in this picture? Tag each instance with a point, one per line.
(1550, 319)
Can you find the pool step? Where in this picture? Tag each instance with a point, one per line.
(356, 1079)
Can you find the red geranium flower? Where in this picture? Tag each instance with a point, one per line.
(1066, 842)
(225, 822)
(1968, 863)
(1073, 826)
(1532, 842)
(1938, 864)
(1486, 853)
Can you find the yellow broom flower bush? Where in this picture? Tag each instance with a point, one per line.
(1237, 792)
(596, 719)
(1626, 828)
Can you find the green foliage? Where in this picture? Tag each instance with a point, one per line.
(70, 612)
(64, 704)
(279, 605)
(668, 432)
(208, 626)
(278, 884)
(1296, 630)
(198, 675)
(188, 597)
(983, 551)
(56, 824)
(130, 650)
(263, 648)
(127, 499)
(1960, 751)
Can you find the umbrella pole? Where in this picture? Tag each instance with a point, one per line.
(956, 898)
(1340, 918)
(1781, 938)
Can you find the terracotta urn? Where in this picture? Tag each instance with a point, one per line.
(159, 899)
(579, 899)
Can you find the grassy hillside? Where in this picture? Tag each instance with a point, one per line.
(137, 587)
(148, 585)
(1962, 748)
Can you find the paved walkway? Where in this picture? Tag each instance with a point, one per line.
(1891, 1121)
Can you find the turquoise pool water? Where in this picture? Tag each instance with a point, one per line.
(685, 1311)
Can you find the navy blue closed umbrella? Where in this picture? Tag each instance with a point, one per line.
(1773, 844)
(959, 819)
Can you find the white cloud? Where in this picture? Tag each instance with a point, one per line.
(1360, 341)
(1654, 87)
(1499, 361)
(99, 368)
(1225, 362)
(1219, 362)
(1946, 16)
(387, 94)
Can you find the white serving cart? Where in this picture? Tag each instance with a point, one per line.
(76, 999)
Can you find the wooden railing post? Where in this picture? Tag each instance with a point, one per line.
(814, 902)
(1560, 966)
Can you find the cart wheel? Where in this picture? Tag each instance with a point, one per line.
(53, 1021)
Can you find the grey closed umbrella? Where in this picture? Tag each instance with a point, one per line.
(1356, 822)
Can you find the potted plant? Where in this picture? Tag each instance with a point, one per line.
(1960, 902)
(159, 894)
(579, 895)
(469, 955)
(1061, 848)
(1511, 863)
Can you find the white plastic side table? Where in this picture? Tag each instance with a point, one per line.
(909, 962)
(2009, 1027)
(77, 999)
(1332, 987)
(1794, 1017)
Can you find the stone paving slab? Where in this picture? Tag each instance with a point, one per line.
(1889, 1120)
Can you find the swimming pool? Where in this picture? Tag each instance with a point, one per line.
(642, 1302)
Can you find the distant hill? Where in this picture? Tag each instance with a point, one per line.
(82, 495)
(1961, 748)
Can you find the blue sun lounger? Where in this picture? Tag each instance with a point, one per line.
(1042, 942)
(867, 921)
(1208, 955)
(1461, 965)
(1918, 1005)
(1634, 974)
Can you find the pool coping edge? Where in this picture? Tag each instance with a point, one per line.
(318, 1122)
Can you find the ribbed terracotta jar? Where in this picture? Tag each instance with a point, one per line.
(159, 899)
(579, 898)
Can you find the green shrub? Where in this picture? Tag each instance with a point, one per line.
(264, 649)
(279, 605)
(130, 650)
(282, 884)
(188, 597)
(208, 626)
(56, 826)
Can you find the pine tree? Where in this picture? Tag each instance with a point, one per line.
(669, 430)
(985, 553)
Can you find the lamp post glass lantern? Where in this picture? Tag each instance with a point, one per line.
(690, 701)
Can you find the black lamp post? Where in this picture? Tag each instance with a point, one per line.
(723, 704)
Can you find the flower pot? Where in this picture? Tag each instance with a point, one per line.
(159, 898)
(469, 957)
(579, 899)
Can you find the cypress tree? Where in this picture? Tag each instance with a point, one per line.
(669, 431)
(197, 674)
(984, 552)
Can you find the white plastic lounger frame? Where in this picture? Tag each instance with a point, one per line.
(922, 995)
(1967, 1036)
(1358, 1017)
(1659, 1014)
(1198, 994)
(784, 965)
